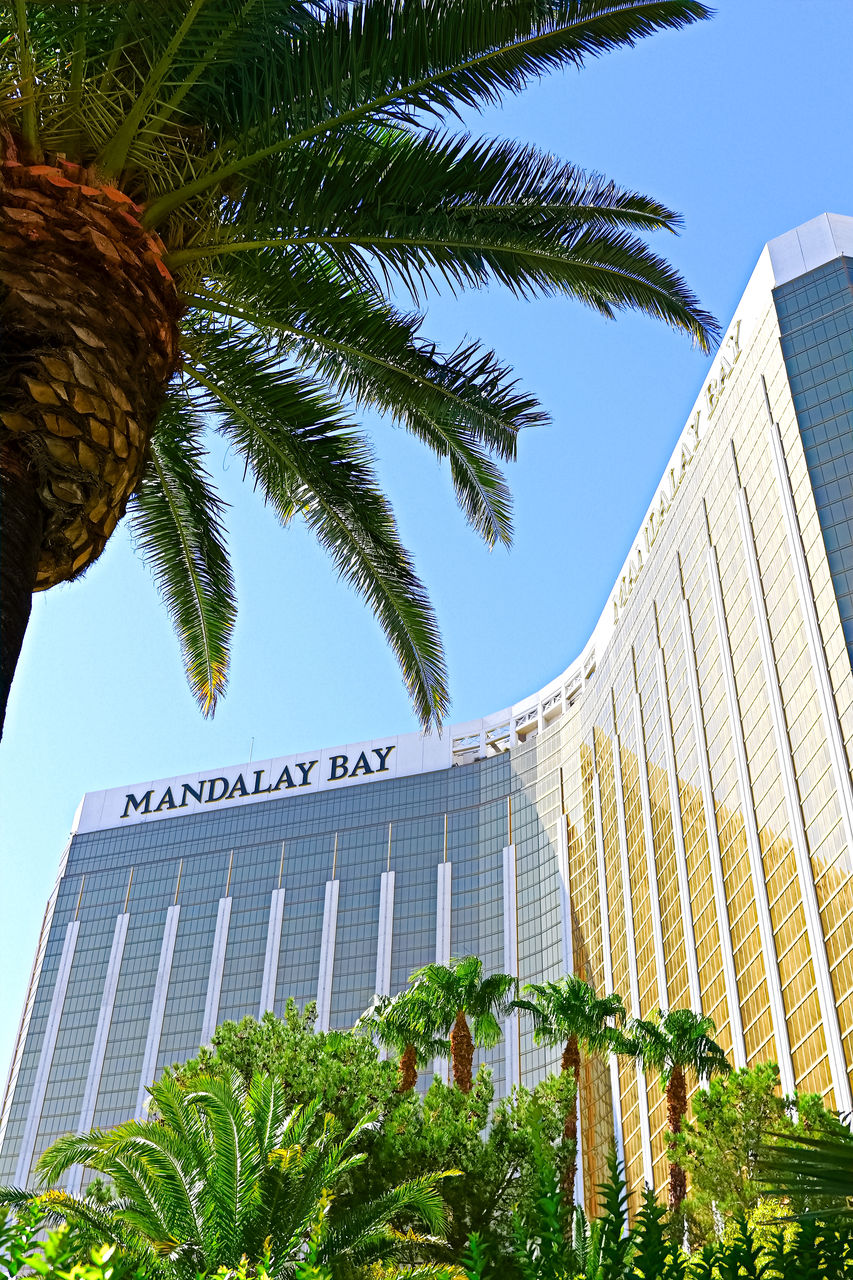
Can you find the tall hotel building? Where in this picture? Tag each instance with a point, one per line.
(672, 817)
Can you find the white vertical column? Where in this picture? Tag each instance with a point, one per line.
(327, 954)
(272, 952)
(714, 857)
(580, 1197)
(441, 1066)
(217, 966)
(834, 739)
(568, 958)
(756, 863)
(607, 960)
(601, 869)
(105, 1014)
(442, 913)
(158, 1008)
(54, 1017)
(678, 838)
(802, 858)
(512, 1034)
(631, 948)
(567, 940)
(386, 933)
(99, 1048)
(649, 842)
(616, 1095)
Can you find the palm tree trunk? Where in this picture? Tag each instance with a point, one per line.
(21, 523)
(462, 1053)
(407, 1069)
(89, 321)
(571, 1062)
(676, 1109)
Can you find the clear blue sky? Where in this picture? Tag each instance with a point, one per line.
(743, 124)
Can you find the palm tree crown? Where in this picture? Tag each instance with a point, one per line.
(570, 1013)
(205, 206)
(677, 1044)
(459, 991)
(405, 1024)
(678, 1040)
(571, 1008)
(225, 1172)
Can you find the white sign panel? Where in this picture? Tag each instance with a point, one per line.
(350, 765)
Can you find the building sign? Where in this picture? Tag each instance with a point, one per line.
(275, 779)
(677, 470)
(213, 790)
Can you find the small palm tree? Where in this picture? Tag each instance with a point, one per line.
(569, 1012)
(403, 1024)
(225, 1172)
(456, 992)
(677, 1044)
(205, 206)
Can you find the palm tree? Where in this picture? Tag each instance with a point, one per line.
(569, 1012)
(225, 1172)
(403, 1024)
(677, 1044)
(456, 992)
(204, 206)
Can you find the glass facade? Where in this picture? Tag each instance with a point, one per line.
(672, 818)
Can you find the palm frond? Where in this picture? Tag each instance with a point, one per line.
(676, 1038)
(462, 404)
(388, 60)
(177, 521)
(816, 1169)
(306, 458)
(434, 210)
(373, 353)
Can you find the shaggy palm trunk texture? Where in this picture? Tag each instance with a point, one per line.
(571, 1062)
(407, 1072)
(462, 1053)
(20, 539)
(676, 1110)
(88, 322)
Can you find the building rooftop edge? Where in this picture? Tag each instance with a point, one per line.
(784, 258)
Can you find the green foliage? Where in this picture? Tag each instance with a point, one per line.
(294, 159)
(655, 1256)
(607, 1249)
(541, 1233)
(341, 1069)
(733, 1119)
(475, 1260)
(63, 1254)
(815, 1171)
(495, 1149)
(226, 1171)
(615, 1239)
(491, 1147)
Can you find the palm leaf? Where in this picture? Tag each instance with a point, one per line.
(306, 459)
(177, 521)
(817, 1169)
(434, 210)
(396, 59)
